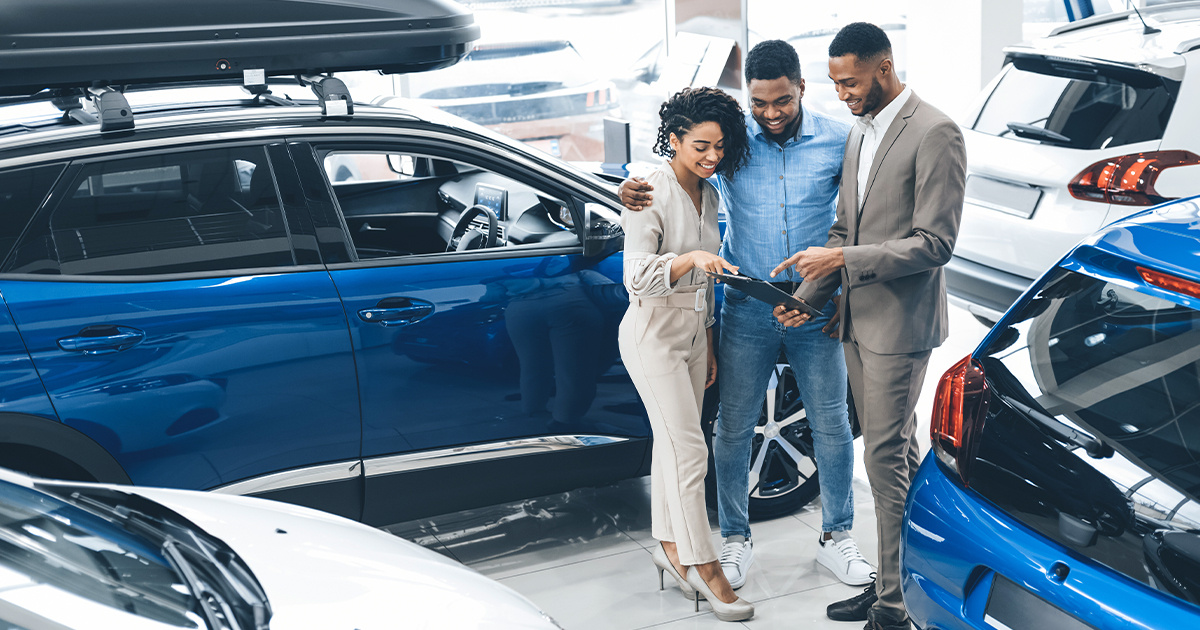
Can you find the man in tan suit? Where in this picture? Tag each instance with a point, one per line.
(898, 213)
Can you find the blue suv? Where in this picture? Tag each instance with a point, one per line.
(199, 304)
(1063, 488)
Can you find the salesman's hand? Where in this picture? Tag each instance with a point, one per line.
(836, 321)
(635, 194)
(814, 262)
(788, 318)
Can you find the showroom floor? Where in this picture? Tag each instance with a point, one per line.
(584, 556)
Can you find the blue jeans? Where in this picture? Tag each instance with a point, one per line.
(751, 339)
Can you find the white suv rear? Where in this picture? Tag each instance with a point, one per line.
(1080, 128)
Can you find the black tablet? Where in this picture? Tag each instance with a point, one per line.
(765, 291)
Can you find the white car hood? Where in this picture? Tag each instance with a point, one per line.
(323, 571)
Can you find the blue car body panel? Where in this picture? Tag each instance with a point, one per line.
(213, 391)
(955, 542)
(20, 388)
(501, 349)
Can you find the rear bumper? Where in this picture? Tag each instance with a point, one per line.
(983, 290)
(955, 543)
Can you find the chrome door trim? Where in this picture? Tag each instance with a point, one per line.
(391, 464)
(482, 452)
(325, 473)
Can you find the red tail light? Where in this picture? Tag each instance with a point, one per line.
(1169, 282)
(1128, 180)
(959, 409)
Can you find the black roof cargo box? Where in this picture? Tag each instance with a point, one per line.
(81, 43)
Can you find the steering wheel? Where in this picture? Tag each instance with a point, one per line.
(465, 237)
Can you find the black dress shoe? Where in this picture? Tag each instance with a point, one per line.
(855, 608)
(882, 621)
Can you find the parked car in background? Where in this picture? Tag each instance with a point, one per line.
(1063, 487)
(542, 93)
(94, 556)
(1080, 128)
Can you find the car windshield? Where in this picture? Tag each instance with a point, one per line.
(62, 565)
(506, 70)
(1077, 106)
(1121, 365)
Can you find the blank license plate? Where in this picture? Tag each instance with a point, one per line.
(1011, 607)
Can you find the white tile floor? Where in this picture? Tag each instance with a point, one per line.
(584, 556)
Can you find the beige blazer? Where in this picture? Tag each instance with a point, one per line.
(894, 289)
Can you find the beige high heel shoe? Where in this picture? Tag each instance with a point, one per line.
(664, 564)
(738, 610)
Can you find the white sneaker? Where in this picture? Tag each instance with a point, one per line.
(841, 556)
(736, 555)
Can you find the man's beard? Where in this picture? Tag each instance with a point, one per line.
(873, 98)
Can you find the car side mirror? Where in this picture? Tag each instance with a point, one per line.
(603, 235)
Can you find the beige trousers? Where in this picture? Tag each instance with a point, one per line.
(664, 346)
(885, 388)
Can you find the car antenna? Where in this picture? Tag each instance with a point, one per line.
(1146, 28)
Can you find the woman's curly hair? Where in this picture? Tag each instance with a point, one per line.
(692, 106)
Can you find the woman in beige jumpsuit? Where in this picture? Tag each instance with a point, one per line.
(665, 337)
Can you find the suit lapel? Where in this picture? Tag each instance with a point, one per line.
(889, 139)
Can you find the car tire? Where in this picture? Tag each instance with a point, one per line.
(788, 475)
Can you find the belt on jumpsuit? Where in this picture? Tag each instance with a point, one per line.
(695, 300)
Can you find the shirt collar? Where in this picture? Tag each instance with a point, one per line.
(884, 118)
(805, 130)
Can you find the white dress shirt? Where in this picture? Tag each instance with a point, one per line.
(874, 128)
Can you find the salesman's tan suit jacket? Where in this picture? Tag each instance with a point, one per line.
(894, 290)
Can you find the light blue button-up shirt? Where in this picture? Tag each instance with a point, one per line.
(785, 199)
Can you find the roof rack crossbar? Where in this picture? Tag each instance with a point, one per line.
(332, 93)
(113, 110)
(67, 101)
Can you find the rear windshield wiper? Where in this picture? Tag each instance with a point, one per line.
(1063, 433)
(1029, 132)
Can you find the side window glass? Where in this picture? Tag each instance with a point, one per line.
(174, 213)
(400, 204)
(22, 191)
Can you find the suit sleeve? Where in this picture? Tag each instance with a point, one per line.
(647, 270)
(940, 180)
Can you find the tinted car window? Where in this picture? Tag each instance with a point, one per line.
(172, 213)
(21, 192)
(1123, 366)
(1082, 110)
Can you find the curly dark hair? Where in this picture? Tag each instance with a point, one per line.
(692, 106)
(861, 39)
(772, 59)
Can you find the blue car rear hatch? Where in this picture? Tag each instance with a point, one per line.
(1079, 418)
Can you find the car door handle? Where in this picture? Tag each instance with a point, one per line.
(396, 312)
(102, 339)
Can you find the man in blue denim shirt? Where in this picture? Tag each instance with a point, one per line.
(782, 202)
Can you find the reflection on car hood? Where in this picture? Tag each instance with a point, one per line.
(323, 571)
